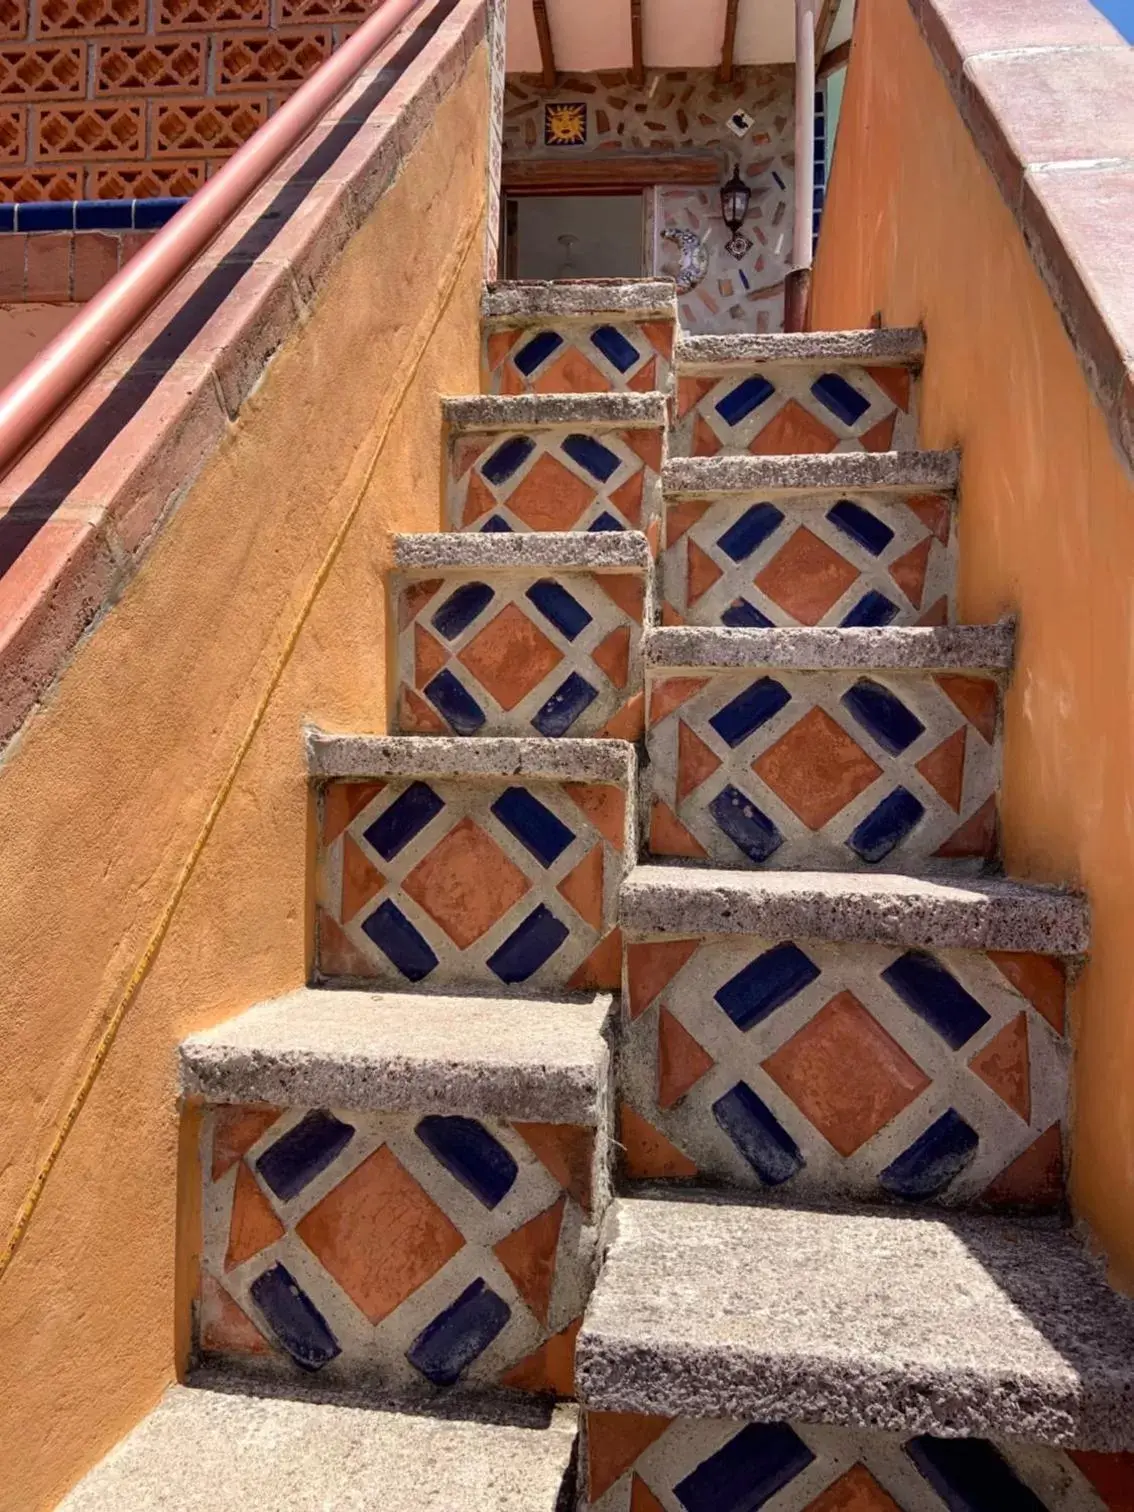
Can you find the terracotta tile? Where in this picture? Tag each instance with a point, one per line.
(12, 250)
(793, 430)
(856, 1491)
(499, 344)
(1041, 979)
(48, 268)
(645, 443)
(380, 1235)
(429, 656)
(550, 497)
(550, 1370)
(976, 837)
(254, 1224)
(669, 615)
(944, 769)
(629, 723)
(414, 598)
(567, 1153)
(338, 955)
(645, 380)
(626, 589)
(582, 887)
(671, 694)
(934, 513)
(846, 1073)
(806, 577)
(528, 1255)
(361, 880)
(602, 970)
(614, 1442)
(205, 128)
(909, 571)
(1004, 1066)
(650, 967)
(627, 498)
(681, 1060)
(696, 763)
(956, 29)
(344, 801)
(510, 656)
(572, 373)
(225, 1327)
(646, 1153)
(690, 392)
(700, 574)
(669, 837)
(1034, 1179)
(936, 614)
(642, 1499)
(46, 71)
(683, 516)
(659, 333)
(880, 437)
(1112, 1476)
(612, 656)
(95, 262)
(479, 501)
(895, 383)
(605, 807)
(416, 717)
(816, 768)
(706, 442)
(466, 883)
(235, 1131)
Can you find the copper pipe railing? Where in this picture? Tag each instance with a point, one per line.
(34, 398)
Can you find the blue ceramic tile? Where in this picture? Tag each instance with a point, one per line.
(741, 615)
(472, 1155)
(403, 945)
(7, 217)
(871, 533)
(744, 278)
(562, 709)
(933, 1160)
(759, 702)
(883, 715)
(456, 1337)
(873, 608)
(758, 1134)
(765, 984)
(46, 215)
(535, 352)
(294, 1319)
(753, 528)
(104, 215)
(592, 456)
(740, 401)
(615, 348)
(745, 825)
(534, 825)
(151, 213)
(970, 1476)
(462, 606)
(778, 179)
(560, 607)
(605, 521)
(454, 703)
(887, 826)
(507, 459)
(298, 1156)
(406, 817)
(529, 947)
(747, 1472)
(936, 996)
(494, 525)
(845, 402)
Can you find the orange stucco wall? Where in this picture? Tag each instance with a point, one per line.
(916, 228)
(104, 792)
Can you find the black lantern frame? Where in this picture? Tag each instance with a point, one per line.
(735, 200)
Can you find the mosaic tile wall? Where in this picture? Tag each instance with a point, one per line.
(411, 1252)
(466, 883)
(523, 654)
(120, 99)
(835, 770)
(657, 1464)
(860, 1070)
(690, 109)
(578, 357)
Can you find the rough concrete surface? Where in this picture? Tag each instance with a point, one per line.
(904, 1323)
(911, 471)
(529, 411)
(331, 757)
(517, 303)
(561, 550)
(234, 1453)
(907, 648)
(899, 346)
(505, 1057)
(882, 907)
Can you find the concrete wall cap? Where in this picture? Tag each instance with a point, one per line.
(909, 472)
(347, 757)
(530, 411)
(908, 648)
(513, 304)
(584, 551)
(899, 346)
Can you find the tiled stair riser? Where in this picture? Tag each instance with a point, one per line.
(792, 408)
(880, 558)
(656, 1464)
(842, 770)
(465, 882)
(849, 1070)
(542, 653)
(563, 356)
(396, 1251)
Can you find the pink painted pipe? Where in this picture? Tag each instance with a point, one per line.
(33, 399)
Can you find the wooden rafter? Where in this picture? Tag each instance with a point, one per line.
(728, 46)
(546, 46)
(833, 59)
(637, 53)
(613, 172)
(823, 24)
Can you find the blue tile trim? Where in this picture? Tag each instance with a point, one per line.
(90, 215)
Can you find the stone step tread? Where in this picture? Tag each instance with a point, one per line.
(487, 412)
(234, 1452)
(345, 758)
(511, 304)
(897, 346)
(498, 1057)
(899, 1323)
(906, 648)
(560, 550)
(908, 471)
(890, 909)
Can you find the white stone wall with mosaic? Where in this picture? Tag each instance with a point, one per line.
(748, 122)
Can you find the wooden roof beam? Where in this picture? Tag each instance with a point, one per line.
(728, 46)
(546, 46)
(823, 24)
(637, 53)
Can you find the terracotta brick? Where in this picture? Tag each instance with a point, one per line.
(13, 18)
(50, 72)
(12, 249)
(129, 67)
(956, 29)
(49, 267)
(251, 60)
(24, 184)
(90, 131)
(322, 10)
(13, 134)
(208, 14)
(132, 243)
(90, 17)
(205, 128)
(95, 262)
(144, 180)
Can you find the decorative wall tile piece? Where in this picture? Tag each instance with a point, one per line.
(651, 1464)
(812, 559)
(402, 1251)
(205, 128)
(473, 882)
(193, 14)
(567, 357)
(89, 17)
(19, 185)
(13, 18)
(557, 478)
(152, 63)
(50, 71)
(848, 1070)
(520, 653)
(249, 60)
(112, 181)
(13, 133)
(795, 407)
(840, 770)
(323, 10)
(83, 132)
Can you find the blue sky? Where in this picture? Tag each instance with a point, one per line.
(1120, 13)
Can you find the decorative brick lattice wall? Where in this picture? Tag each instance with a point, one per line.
(123, 99)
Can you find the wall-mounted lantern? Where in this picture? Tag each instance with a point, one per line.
(735, 199)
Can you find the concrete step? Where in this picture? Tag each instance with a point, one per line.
(821, 391)
(445, 862)
(833, 748)
(588, 462)
(233, 1452)
(842, 1037)
(847, 539)
(521, 634)
(398, 1191)
(588, 337)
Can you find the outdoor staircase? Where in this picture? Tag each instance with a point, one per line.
(682, 714)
